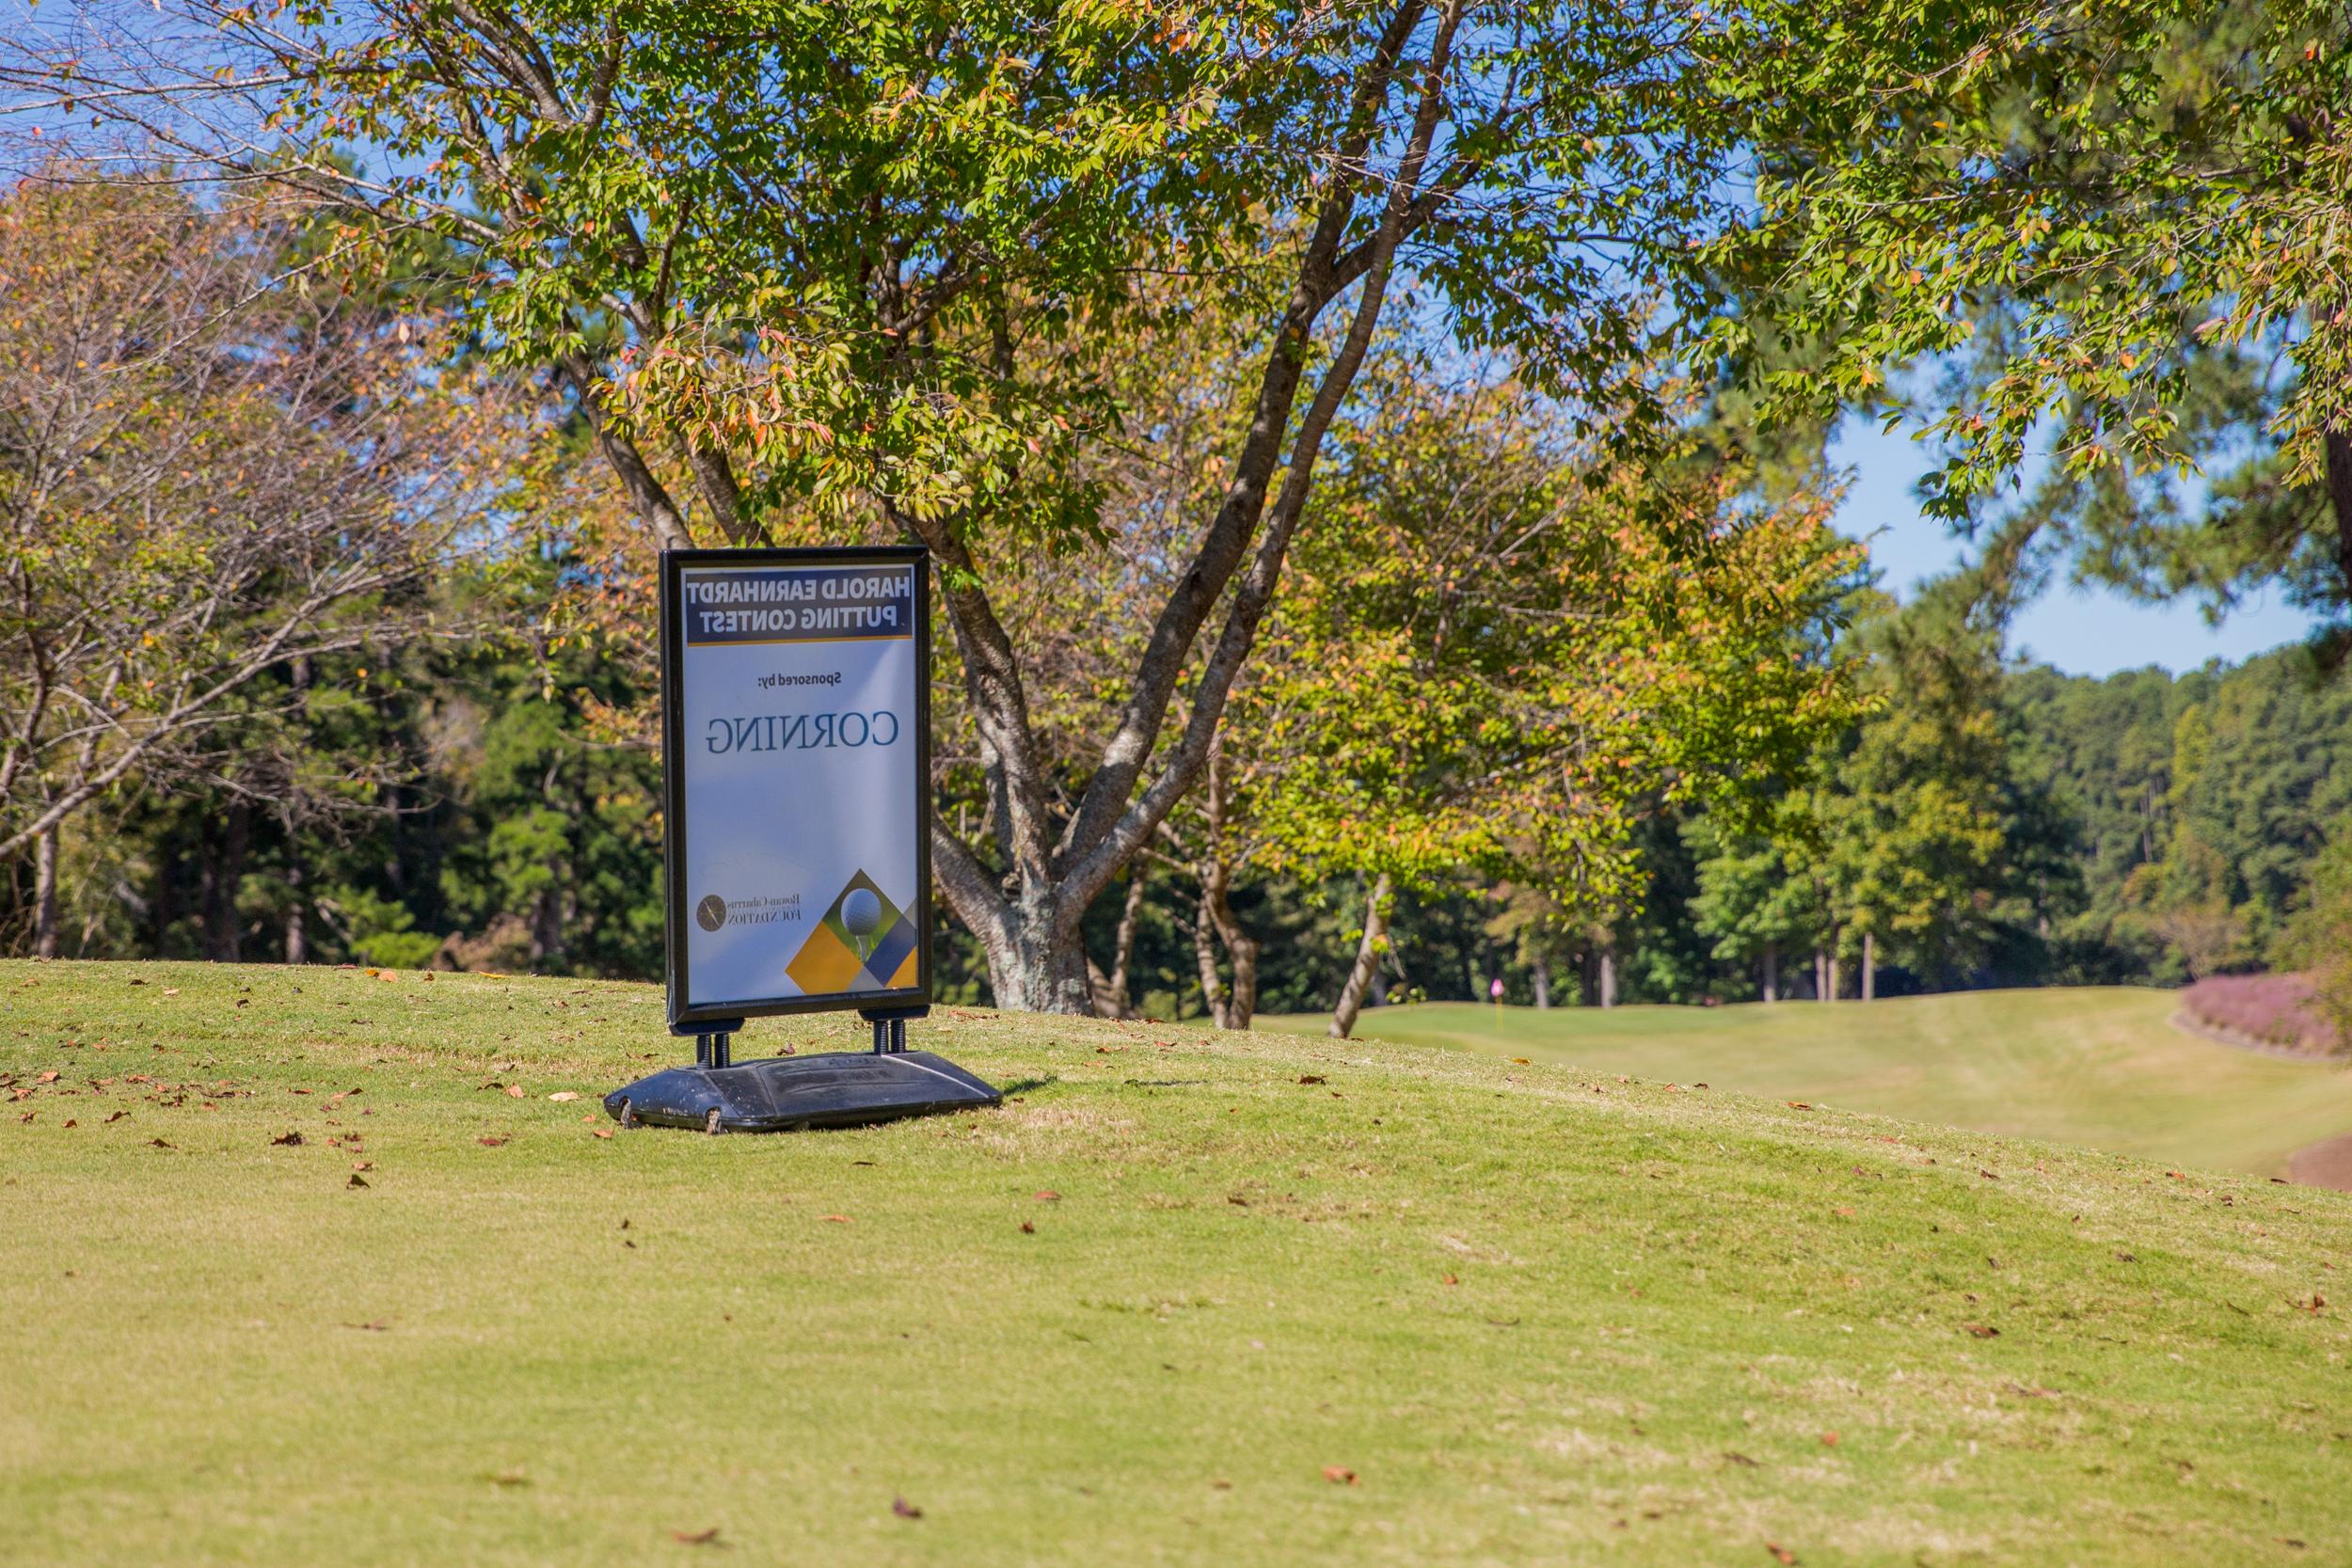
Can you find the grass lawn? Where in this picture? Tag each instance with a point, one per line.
(1171, 1305)
(2102, 1068)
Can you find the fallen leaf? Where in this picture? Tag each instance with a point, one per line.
(1982, 1331)
(1047, 1196)
(171, 991)
(158, 1143)
(697, 1537)
(379, 1326)
(563, 1097)
(71, 1122)
(1843, 1211)
(905, 1509)
(1989, 1176)
(1237, 1200)
(513, 1091)
(113, 1117)
(290, 1140)
(1451, 1279)
(1829, 1439)
(1312, 1078)
(489, 1143)
(1798, 1106)
(362, 1165)
(1222, 1485)
(1522, 1061)
(356, 1180)
(1781, 1555)
(49, 1077)
(836, 1219)
(1338, 1475)
(600, 1131)
(1028, 1227)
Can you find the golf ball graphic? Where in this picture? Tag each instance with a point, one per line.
(861, 916)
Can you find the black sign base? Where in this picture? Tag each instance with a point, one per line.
(785, 1094)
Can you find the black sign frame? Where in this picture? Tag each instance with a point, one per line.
(685, 1016)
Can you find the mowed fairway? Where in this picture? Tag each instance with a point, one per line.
(1189, 1298)
(2102, 1068)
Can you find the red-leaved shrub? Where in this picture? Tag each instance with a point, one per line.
(2271, 1009)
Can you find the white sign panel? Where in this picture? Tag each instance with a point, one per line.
(798, 771)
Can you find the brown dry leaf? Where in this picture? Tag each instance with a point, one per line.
(1522, 1061)
(378, 1326)
(1781, 1554)
(1829, 1439)
(1798, 1106)
(113, 1117)
(1989, 1176)
(1982, 1331)
(1047, 1196)
(1221, 1484)
(1312, 1078)
(290, 1140)
(356, 1180)
(697, 1537)
(489, 1143)
(362, 1165)
(158, 1143)
(564, 1097)
(1028, 1227)
(171, 991)
(600, 1131)
(905, 1509)
(1452, 1279)
(1338, 1475)
(49, 1077)
(1843, 1211)
(513, 1091)
(71, 1122)
(836, 1219)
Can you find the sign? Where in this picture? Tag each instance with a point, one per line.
(796, 771)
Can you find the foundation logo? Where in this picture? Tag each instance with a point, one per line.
(712, 912)
(865, 942)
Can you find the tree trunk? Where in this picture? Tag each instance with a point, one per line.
(222, 876)
(1831, 994)
(1772, 972)
(1820, 976)
(1543, 982)
(1115, 997)
(1869, 966)
(45, 895)
(297, 939)
(1367, 951)
(1204, 955)
(1608, 978)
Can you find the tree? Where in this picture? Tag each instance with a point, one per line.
(209, 480)
(1504, 646)
(872, 260)
(1756, 898)
(2118, 230)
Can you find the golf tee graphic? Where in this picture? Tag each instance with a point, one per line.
(863, 943)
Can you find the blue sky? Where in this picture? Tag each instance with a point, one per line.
(2090, 632)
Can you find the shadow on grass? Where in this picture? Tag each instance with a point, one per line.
(1026, 1084)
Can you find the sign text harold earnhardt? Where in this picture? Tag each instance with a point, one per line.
(799, 605)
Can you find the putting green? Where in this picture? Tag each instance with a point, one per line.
(2102, 1068)
(1186, 1298)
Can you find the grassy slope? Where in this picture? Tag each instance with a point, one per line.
(2101, 1068)
(1540, 1315)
